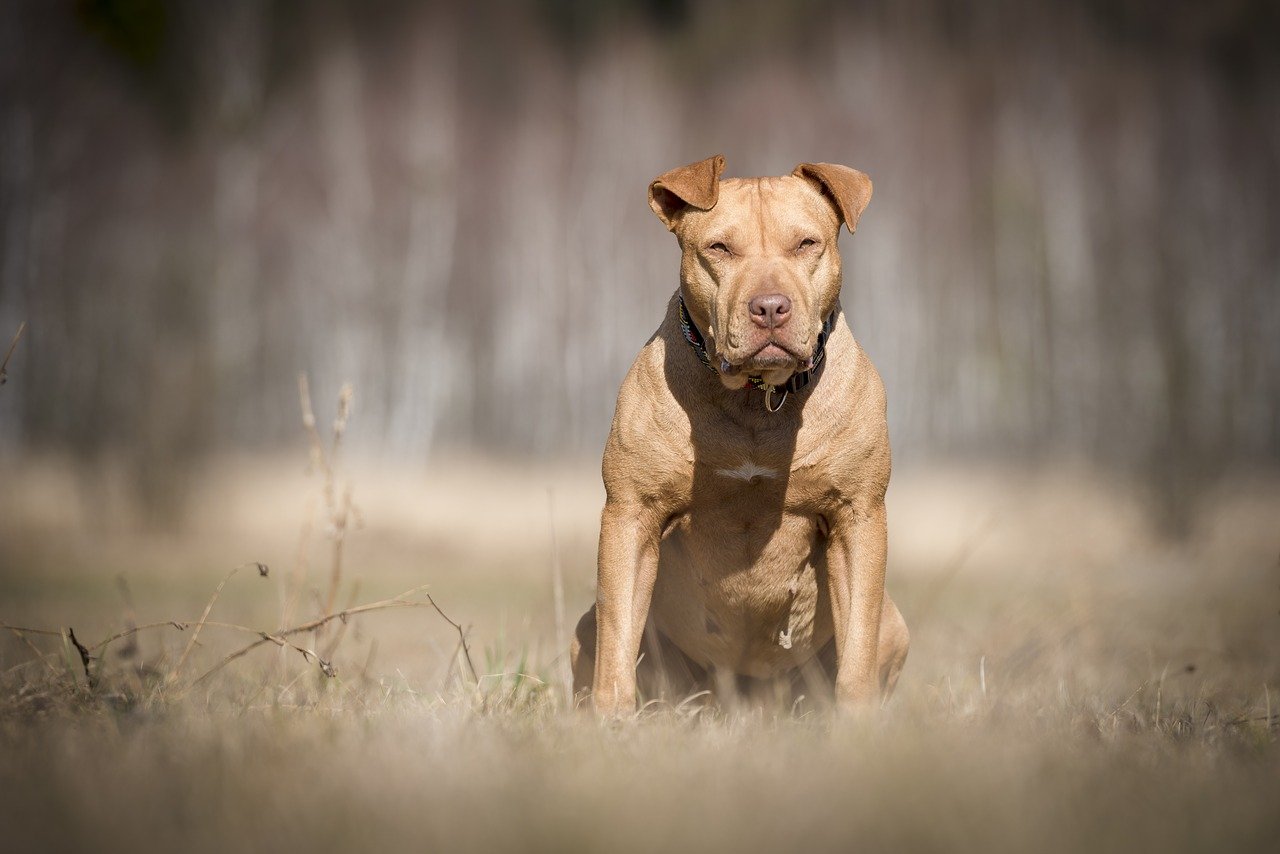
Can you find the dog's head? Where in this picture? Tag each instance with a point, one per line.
(760, 267)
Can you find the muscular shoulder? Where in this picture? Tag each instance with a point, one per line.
(848, 448)
(649, 449)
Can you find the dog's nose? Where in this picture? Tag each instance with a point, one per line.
(769, 311)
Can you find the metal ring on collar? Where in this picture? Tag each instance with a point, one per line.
(768, 398)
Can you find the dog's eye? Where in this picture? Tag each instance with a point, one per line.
(719, 248)
(806, 243)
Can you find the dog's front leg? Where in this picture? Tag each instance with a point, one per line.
(628, 565)
(855, 576)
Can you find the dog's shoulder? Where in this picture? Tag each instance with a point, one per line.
(649, 445)
(844, 445)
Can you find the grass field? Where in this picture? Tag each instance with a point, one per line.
(1075, 683)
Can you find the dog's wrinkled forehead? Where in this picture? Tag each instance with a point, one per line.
(761, 214)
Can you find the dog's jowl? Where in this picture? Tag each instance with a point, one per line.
(743, 538)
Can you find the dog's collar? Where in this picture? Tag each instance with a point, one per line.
(798, 380)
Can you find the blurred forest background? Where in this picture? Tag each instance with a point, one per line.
(1073, 251)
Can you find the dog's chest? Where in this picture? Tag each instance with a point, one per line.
(741, 578)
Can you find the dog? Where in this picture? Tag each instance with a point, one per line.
(743, 536)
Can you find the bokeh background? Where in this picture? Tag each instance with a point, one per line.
(1072, 252)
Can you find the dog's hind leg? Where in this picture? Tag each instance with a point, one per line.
(665, 673)
(894, 642)
(582, 655)
(816, 678)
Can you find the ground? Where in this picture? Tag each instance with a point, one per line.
(1075, 682)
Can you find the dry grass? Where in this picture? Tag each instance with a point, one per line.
(1070, 687)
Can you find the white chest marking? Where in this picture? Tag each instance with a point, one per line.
(747, 471)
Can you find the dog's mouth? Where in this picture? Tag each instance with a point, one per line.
(771, 355)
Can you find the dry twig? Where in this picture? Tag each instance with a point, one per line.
(13, 345)
(21, 634)
(85, 657)
(462, 638)
(133, 630)
(195, 635)
(278, 637)
(340, 510)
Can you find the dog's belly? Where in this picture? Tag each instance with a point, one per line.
(741, 583)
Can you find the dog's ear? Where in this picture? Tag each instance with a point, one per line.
(694, 186)
(848, 188)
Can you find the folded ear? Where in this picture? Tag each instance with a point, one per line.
(848, 188)
(694, 186)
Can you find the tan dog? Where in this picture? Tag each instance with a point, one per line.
(743, 537)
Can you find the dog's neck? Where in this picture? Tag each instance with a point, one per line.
(775, 396)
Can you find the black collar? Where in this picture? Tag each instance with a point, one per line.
(798, 380)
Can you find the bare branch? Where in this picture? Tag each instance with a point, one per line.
(21, 630)
(133, 630)
(462, 638)
(278, 637)
(342, 630)
(338, 527)
(191, 642)
(13, 345)
(85, 657)
(21, 634)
